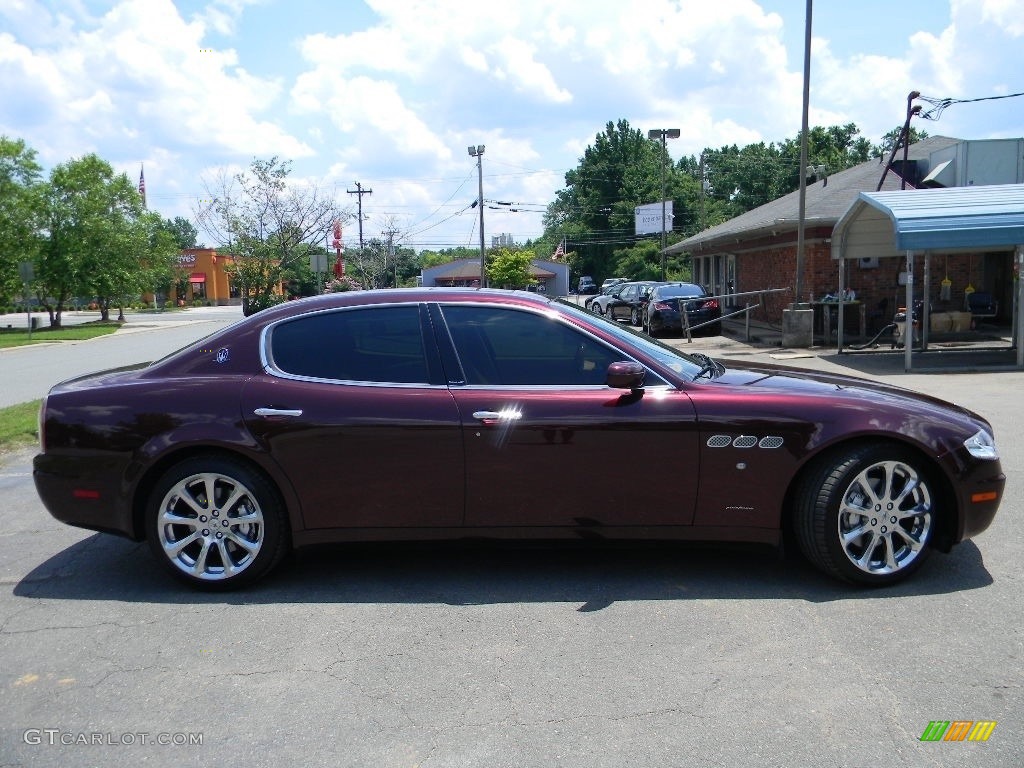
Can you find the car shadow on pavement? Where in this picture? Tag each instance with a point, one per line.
(593, 576)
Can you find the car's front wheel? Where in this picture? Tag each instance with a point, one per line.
(215, 523)
(596, 308)
(869, 515)
(634, 317)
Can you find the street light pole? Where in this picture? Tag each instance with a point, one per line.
(664, 134)
(478, 153)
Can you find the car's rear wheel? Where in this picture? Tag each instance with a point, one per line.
(596, 308)
(634, 317)
(868, 515)
(216, 523)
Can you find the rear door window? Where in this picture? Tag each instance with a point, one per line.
(374, 344)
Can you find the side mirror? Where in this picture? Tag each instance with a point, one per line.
(626, 375)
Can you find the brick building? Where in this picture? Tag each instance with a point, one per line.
(757, 249)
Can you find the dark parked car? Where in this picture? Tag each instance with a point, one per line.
(440, 413)
(623, 301)
(667, 303)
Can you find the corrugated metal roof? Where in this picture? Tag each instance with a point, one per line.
(939, 219)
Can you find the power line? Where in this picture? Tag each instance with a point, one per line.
(939, 105)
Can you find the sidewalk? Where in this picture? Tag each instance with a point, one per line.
(949, 353)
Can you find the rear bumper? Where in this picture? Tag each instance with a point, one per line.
(84, 491)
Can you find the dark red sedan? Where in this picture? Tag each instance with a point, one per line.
(441, 413)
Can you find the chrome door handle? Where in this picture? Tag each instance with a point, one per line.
(490, 417)
(272, 412)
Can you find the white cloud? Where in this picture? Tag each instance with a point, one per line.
(1008, 15)
(393, 91)
(525, 73)
(141, 61)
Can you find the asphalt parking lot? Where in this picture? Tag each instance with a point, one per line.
(526, 655)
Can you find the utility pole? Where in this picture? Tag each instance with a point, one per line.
(478, 152)
(360, 192)
(663, 134)
(390, 253)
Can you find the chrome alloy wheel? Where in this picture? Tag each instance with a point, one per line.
(885, 518)
(210, 526)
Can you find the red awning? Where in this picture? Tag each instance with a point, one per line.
(197, 277)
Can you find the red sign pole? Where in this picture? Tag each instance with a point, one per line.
(339, 261)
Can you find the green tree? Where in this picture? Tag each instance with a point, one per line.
(621, 170)
(109, 236)
(157, 248)
(889, 140)
(509, 268)
(370, 265)
(643, 262)
(744, 178)
(90, 214)
(184, 233)
(100, 242)
(266, 224)
(595, 210)
(21, 206)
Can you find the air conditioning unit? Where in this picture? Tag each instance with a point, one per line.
(868, 262)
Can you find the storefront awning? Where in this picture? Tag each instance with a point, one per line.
(197, 277)
(881, 224)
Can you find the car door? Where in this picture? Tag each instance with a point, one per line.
(548, 443)
(355, 410)
(618, 307)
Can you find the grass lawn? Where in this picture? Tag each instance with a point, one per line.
(19, 425)
(16, 337)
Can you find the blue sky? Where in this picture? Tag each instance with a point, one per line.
(391, 92)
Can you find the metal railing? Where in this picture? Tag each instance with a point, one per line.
(688, 329)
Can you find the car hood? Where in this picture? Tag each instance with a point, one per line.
(782, 380)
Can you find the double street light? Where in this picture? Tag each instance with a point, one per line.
(664, 134)
(478, 153)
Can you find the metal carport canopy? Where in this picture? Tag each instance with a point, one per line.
(880, 224)
(981, 218)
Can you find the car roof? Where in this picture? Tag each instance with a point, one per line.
(399, 296)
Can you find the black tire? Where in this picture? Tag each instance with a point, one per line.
(884, 491)
(634, 317)
(212, 547)
(596, 308)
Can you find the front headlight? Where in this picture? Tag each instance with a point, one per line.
(982, 446)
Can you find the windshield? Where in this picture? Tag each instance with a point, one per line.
(674, 359)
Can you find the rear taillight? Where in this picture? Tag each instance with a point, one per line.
(710, 304)
(661, 305)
